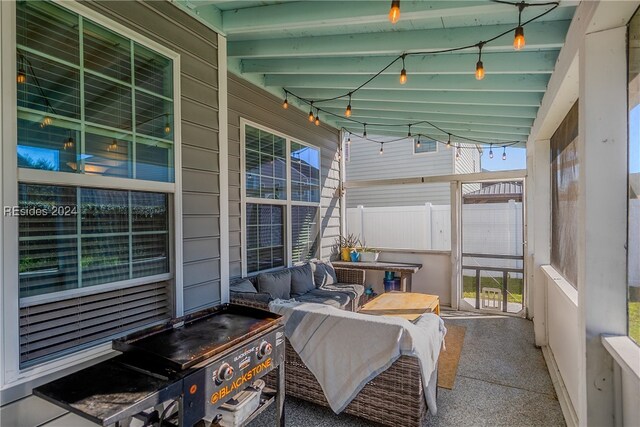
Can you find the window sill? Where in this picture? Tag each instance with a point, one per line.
(625, 352)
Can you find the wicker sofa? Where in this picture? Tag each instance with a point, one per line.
(395, 397)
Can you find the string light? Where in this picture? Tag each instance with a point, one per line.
(317, 121)
(364, 134)
(403, 73)
(21, 78)
(311, 117)
(491, 151)
(68, 143)
(457, 152)
(518, 39)
(479, 64)
(504, 153)
(285, 104)
(113, 146)
(381, 148)
(46, 122)
(418, 143)
(409, 133)
(394, 12)
(347, 113)
(449, 141)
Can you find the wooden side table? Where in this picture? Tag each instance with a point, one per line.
(407, 305)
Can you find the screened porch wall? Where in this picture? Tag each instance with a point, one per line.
(197, 46)
(247, 101)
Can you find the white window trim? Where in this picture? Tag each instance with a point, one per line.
(10, 372)
(426, 152)
(287, 203)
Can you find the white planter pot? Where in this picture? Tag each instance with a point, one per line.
(369, 256)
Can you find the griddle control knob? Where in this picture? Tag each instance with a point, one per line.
(225, 372)
(264, 350)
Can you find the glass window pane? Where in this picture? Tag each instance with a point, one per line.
(106, 52)
(154, 72)
(305, 170)
(104, 260)
(305, 233)
(49, 147)
(104, 211)
(154, 116)
(426, 146)
(45, 27)
(149, 211)
(107, 155)
(48, 265)
(264, 161)
(150, 254)
(153, 161)
(48, 210)
(107, 103)
(265, 237)
(50, 87)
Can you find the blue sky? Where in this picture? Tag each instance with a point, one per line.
(516, 159)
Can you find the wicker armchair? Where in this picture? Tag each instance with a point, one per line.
(395, 397)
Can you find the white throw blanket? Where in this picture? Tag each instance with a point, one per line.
(345, 350)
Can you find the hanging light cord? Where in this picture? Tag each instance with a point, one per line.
(478, 45)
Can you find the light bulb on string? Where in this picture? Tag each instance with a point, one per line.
(68, 143)
(403, 72)
(21, 77)
(46, 121)
(364, 134)
(317, 121)
(381, 149)
(311, 116)
(449, 141)
(113, 146)
(518, 39)
(418, 143)
(285, 104)
(394, 12)
(491, 151)
(409, 133)
(347, 112)
(458, 152)
(504, 153)
(479, 64)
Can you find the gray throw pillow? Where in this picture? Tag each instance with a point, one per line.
(324, 275)
(243, 286)
(301, 280)
(276, 284)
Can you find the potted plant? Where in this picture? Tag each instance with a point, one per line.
(369, 254)
(347, 245)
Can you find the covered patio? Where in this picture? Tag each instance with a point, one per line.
(174, 156)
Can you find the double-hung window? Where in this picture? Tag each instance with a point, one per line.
(96, 139)
(281, 200)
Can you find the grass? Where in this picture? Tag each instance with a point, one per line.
(634, 321)
(514, 287)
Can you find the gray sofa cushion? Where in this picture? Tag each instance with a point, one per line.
(324, 274)
(333, 298)
(301, 280)
(276, 284)
(243, 286)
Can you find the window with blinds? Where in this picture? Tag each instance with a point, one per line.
(282, 198)
(425, 146)
(94, 262)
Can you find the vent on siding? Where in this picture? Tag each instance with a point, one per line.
(49, 329)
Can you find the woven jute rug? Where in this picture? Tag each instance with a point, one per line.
(449, 359)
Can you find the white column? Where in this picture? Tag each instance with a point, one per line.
(602, 216)
(538, 188)
(223, 144)
(456, 245)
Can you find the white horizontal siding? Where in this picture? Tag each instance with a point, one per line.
(399, 195)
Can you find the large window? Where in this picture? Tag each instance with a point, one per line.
(282, 200)
(92, 102)
(633, 245)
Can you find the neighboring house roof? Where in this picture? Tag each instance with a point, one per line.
(495, 193)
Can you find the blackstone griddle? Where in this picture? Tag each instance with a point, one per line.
(181, 372)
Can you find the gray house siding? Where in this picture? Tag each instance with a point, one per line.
(197, 46)
(256, 105)
(398, 161)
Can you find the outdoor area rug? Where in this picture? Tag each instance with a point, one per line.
(448, 360)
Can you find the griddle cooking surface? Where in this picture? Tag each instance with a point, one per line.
(200, 339)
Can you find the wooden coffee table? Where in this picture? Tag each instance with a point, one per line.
(402, 304)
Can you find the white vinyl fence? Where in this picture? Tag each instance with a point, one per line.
(494, 228)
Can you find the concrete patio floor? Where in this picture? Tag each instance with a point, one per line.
(502, 381)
